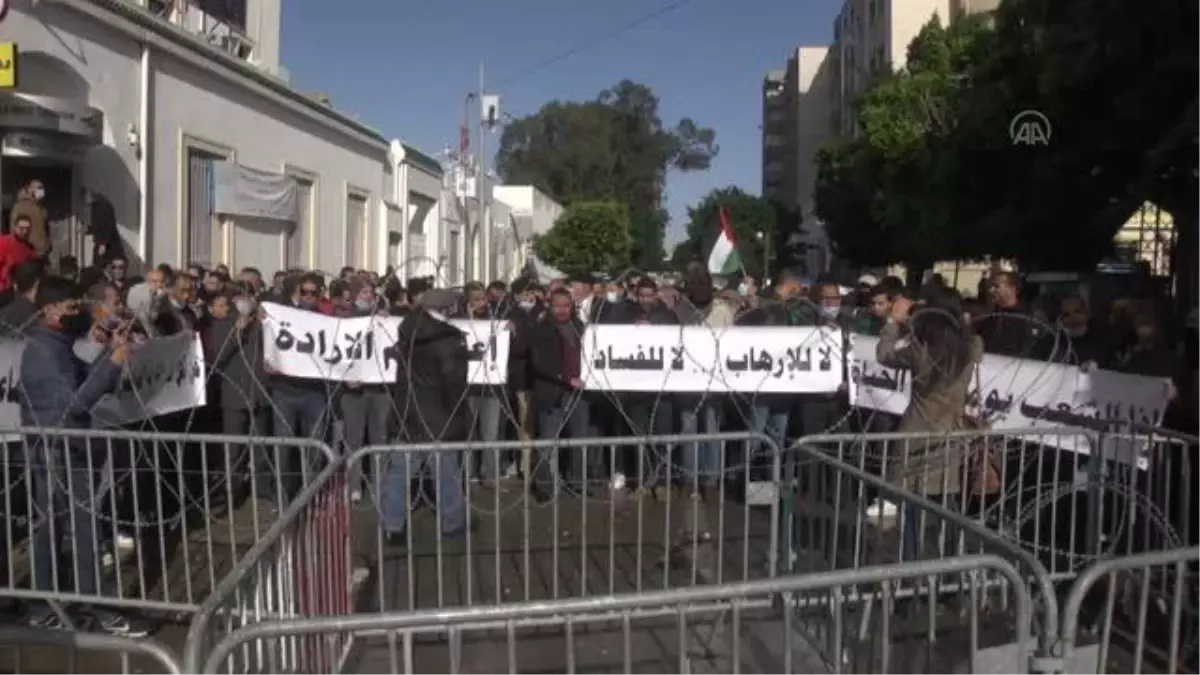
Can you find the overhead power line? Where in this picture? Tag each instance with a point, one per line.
(594, 42)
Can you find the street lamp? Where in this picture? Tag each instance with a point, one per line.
(766, 244)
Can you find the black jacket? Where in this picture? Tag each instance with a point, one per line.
(17, 316)
(545, 357)
(520, 372)
(431, 380)
(238, 363)
(1009, 331)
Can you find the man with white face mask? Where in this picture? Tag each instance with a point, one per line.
(29, 205)
(235, 341)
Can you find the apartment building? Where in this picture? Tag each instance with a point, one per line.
(776, 135)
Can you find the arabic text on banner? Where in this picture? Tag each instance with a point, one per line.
(696, 359)
(164, 375)
(305, 344)
(1017, 394)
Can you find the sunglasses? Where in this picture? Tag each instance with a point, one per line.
(308, 292)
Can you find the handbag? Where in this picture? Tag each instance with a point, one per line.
(983, 465)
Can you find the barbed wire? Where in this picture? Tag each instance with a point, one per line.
(662, 402)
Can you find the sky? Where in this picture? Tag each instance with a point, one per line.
(405, 67)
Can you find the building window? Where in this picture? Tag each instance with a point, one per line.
(295, 240)
(200, 197)
(356, 229)
(231, 12)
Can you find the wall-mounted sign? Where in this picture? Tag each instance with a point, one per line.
(42, 145)
(8, 59)
(45, 113)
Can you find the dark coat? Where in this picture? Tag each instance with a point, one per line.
(431, 380)
(57, 388)
(17, 316)
(238, 364)
(549, 383)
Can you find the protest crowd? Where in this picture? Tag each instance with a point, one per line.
(82, 327)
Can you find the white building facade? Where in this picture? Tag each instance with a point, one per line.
(138, 104)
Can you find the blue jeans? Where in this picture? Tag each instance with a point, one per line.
(771, 420)
(70, 496)
(573, 418)
(298, 414)
(485, 409)
(402, 467)
(701, 460)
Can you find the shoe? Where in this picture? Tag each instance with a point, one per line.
(48, 621)
(119, 626)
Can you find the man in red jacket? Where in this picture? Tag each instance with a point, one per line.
(15, 249)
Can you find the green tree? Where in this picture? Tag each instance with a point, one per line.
(589, 236)
(1117, 81)
(881, 193)
(748, 215)
(614, 147)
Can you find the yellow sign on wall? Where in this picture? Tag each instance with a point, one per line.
(8, 65)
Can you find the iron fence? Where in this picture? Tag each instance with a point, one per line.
(731, 627)
(29, 650)
(137, 520)
(300, 566)
(1070, 497)
(563, 529)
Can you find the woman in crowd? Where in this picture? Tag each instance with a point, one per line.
(933, 342)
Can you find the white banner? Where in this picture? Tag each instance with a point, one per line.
(693, 359)
(305, 344)
(1024, 393)
(164, 375)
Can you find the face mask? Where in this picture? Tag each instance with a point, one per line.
(830, 312)
(87, 351)
(743, 289)
(362, 305)
(244, 306)
(39, 193)
(306, 303)
(612, 296)
(526, 304)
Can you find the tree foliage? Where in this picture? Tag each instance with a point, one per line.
(748, 215)
(615, 147)
(880, 193)
(934, 173)
(589, 236)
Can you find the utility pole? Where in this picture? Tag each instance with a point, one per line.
(483, 189)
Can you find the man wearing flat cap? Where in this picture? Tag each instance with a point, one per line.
(430, 397)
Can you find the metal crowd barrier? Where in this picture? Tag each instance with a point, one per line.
(1071, 497)
(1133, 626)
(668, 528)
(141, 521)
(731, 627)
(29, 650)
(300, 566)
(239, 530)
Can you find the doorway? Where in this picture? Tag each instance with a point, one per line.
(61, 199)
